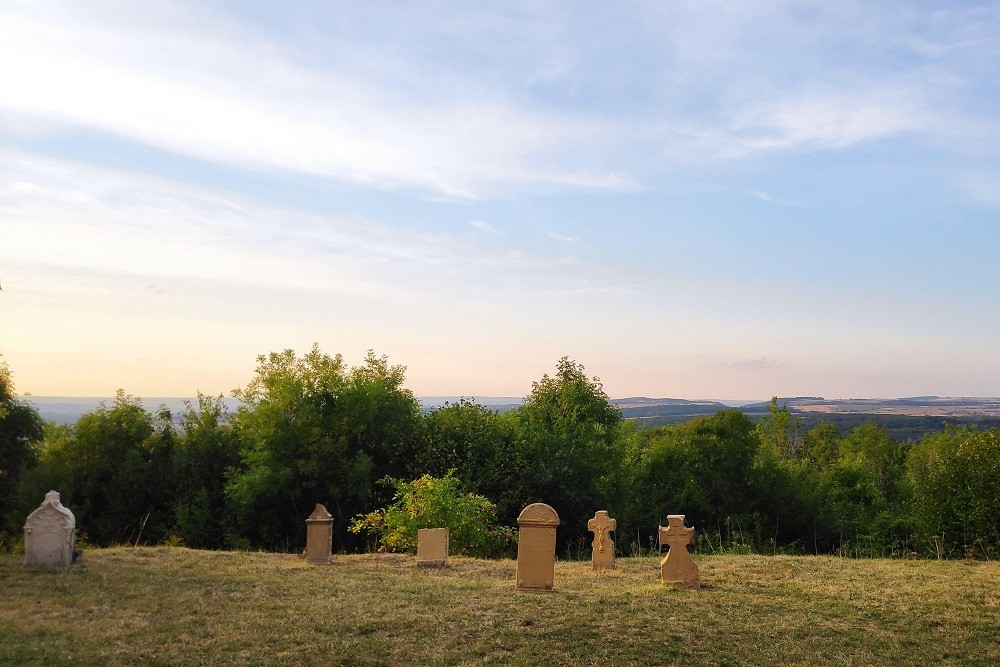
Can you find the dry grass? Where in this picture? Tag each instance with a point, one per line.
(178, 606)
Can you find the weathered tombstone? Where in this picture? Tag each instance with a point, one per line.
(603, 553)
(319, 536)
(677, 567)
(536, 547)
(49, 533)
(432, 547)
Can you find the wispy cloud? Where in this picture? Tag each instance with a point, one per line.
(153, 232)
(484, 226)
(823, 121)
(201, 83)
(763, 196)
(190, 82)
(560, 237)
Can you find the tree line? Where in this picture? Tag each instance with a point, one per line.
(312, 429)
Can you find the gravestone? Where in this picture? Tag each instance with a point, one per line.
(432, 547)
(49, 533)
(603, 552)
(677, 567)
(319, 536)
(536, 547)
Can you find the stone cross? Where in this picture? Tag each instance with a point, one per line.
(49, 533)
(603, 553)
(432, 547)
(319, 536)
(677, 567)
(536, 547)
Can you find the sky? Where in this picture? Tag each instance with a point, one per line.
(691, 199)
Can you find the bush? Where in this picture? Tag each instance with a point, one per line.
(436, 502)
(956, 488)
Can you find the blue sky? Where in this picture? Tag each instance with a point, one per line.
(692, 199)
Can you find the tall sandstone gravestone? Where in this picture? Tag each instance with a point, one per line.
(319, 536)
(677, 567)
(49, 533)
(536, 547)
(603, 552)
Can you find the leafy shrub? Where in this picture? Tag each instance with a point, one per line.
(436, 502)
(956, 486)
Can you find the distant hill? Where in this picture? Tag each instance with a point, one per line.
(498, 403)
(906, 418)
(929, 406)
(67, 409)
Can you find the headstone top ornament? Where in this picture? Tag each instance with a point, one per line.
(52, 507)
(320, 514)
(538, 514)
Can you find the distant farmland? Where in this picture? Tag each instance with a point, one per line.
(906, 418)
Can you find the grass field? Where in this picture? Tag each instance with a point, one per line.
(178, 606)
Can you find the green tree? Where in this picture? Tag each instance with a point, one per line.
(852, 501)
(21, 432)
(779, 430)
(569, 447)
(821, 445)
(480, 445)
(113, 469)
(701, 468)
(207, 448)
(885, 457)
(312, 430)
(956, 491)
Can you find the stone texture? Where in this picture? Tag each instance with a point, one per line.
(319, 536)
(677, 567)
(49, 533)
(432, 547)
(603, 552)
(536, 547)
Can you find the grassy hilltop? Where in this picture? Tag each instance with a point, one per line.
(178, 606)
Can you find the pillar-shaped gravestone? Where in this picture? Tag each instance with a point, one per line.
(677, 567)
(432, 547)
(49, 533)
(603, 553)
(319, 536)
(536, 547)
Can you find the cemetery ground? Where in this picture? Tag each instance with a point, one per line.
(169, 605)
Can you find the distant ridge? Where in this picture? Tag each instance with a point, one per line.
(67, 409)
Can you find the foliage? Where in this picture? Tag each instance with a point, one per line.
(701, 468)
(312, 430)
(956, 487)
(779, 431)
(480, 446)
(821, 445)
(204, 453)
(21, 431)
(113, 468)
(436, 502)
(569, 433)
